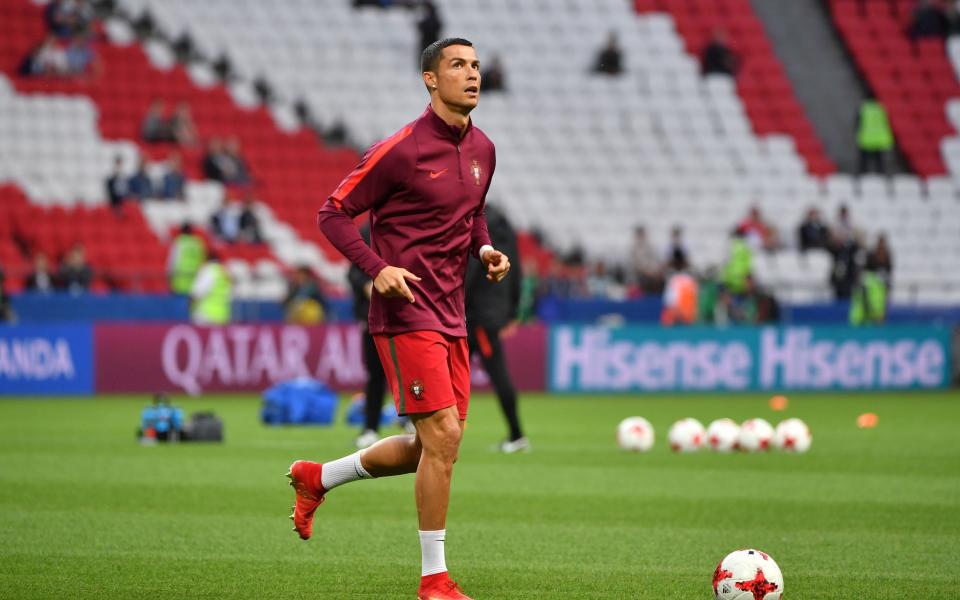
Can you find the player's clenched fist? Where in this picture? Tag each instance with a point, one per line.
(391, 282)
(498, 265)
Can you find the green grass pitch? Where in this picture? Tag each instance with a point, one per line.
(86, 512)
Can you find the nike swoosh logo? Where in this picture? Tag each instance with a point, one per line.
(435, 174)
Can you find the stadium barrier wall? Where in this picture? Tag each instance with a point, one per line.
(46, 359)
(249, 358)
(637, 359)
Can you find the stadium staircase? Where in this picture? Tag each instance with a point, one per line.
(914, 80)
(821, 71)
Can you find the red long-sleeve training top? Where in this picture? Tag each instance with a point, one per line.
(425, 187)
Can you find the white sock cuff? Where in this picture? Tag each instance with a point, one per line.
(358, 465)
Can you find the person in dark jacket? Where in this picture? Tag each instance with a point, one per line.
(376, 388)
(492, 308)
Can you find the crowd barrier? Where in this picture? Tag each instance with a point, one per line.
(178, 357)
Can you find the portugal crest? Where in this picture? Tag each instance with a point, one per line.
(416, 388)
(475, 169)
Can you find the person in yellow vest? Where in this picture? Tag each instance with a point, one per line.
(680, 294)
(211, 294)
(187, 255)
(868, 304)
(874, 136)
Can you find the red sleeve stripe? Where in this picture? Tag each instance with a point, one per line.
(357, 175)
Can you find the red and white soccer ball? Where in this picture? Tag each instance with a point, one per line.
(748, 575)
(792, 435)
(755, 435)
(686, 435)
(722, 435)
(635, 434)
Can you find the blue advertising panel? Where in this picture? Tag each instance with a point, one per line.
(46, 359)
(770, 358)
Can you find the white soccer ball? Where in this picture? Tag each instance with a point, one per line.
(636, 434)
(686, 435)
(792, 435)
(747, 575)
(755, 435)
(722, 435)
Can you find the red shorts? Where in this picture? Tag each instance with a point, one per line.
(427, 371)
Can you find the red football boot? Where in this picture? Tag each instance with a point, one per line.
(440, 587)
(305, 478)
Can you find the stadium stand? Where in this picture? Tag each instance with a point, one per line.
(914, 80)
(582, 157)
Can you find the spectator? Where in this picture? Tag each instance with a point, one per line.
(846, 263)
(610, 59)
(181, 126)
(211, 294)
(155, 126)
(47, 59)
(718, 58)
(249, 222)
(680, 295)
(646, 265)
(753, 306)
(304, 303)
(140, 186)
(118, 188)
(224, 162)
(929, 21)
(41, 280)
(430, 26)
(81, 59)
(493, 77)
(813, 232)
(677, 247)
(874, 136)
(599, 282)
(75, 274)
(880, 261)
(757, 232)
(187, 254)
(68, 18)
(241, 172)
(216, 164)
(708, 298)
(173, 182)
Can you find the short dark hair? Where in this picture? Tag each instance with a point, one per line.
(430, 58)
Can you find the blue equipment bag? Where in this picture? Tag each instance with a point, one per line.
(356, 413)
(299, 401)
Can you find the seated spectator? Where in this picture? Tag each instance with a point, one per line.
(718, 58)
(430, 26)
(304, 303)
(237, 223)
(155, 126)
(225, 164)
(843, 231)
(610, 59)
(118, 188)
(929, 21)
(181, 126)
(75, 274)
(646, 265)
(679, 295)
(81, 59)
(880, 260)
(493, 78)
(41, 280)
(173, 182)
(813, 232)
(249, 222)
(68, 18)
(48, 59)
(846, 253)
(757, 232)
(140, 186)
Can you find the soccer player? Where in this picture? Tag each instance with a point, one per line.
(425, 187)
